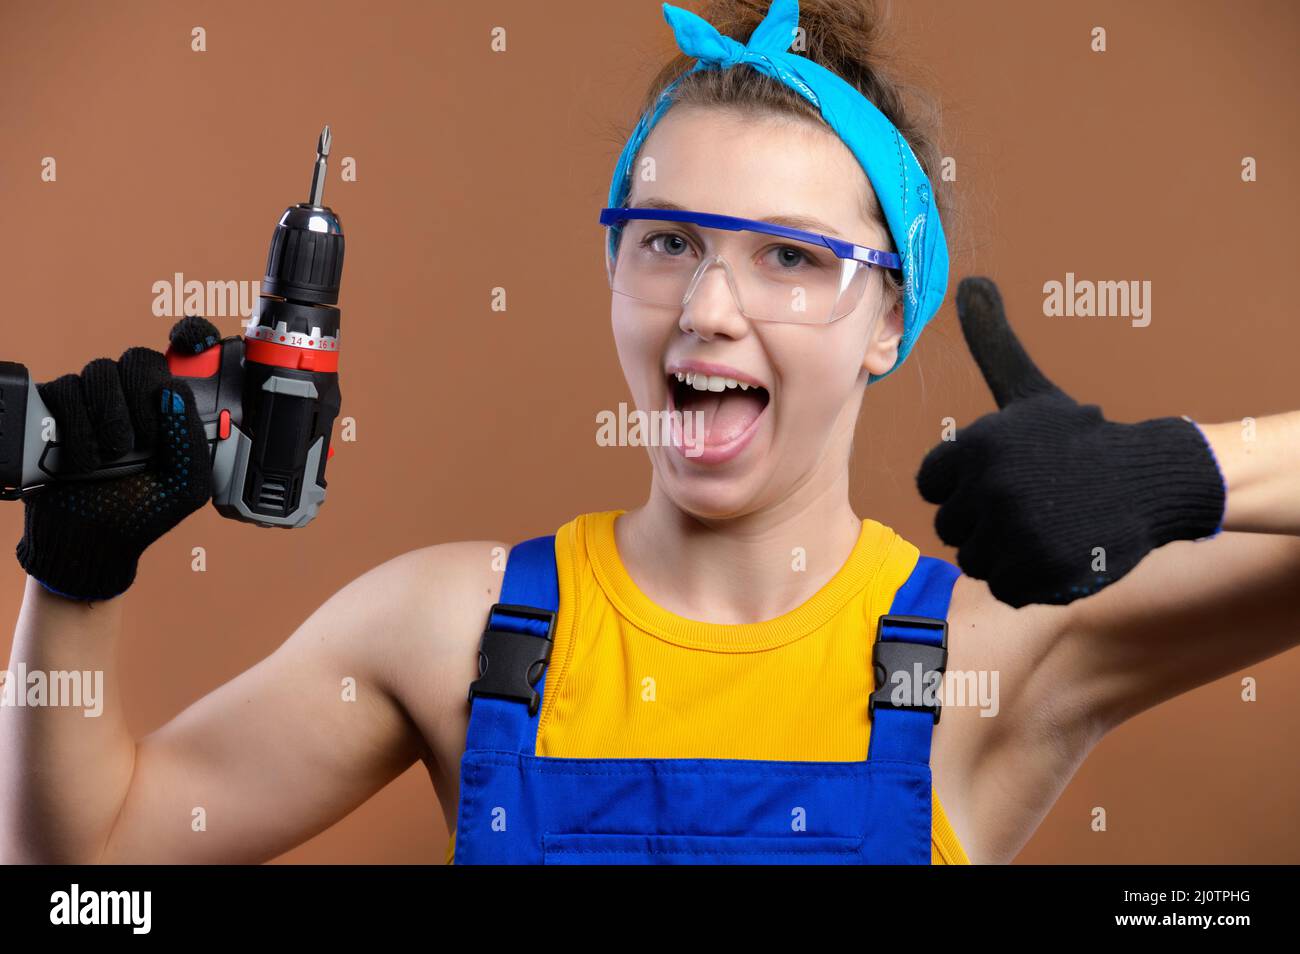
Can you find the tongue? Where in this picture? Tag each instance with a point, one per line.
(726, 414)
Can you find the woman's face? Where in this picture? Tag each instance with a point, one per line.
(761, 448)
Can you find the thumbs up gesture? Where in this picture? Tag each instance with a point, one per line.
(1044, 498)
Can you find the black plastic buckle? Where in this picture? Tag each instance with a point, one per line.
(892, 656)
(511, 663)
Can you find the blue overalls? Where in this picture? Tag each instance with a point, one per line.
(519, 808)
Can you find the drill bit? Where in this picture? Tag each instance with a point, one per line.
(318, 174)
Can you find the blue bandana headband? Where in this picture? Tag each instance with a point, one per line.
(900, 185)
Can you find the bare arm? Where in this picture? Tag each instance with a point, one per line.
(1190, 613)
(267, 760)
(1260, 461)
(1187, 614)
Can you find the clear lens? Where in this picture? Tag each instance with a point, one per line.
(772, 278)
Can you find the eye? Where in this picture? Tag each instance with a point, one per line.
(789, 257)
(666, 243)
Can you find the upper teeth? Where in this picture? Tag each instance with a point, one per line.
(711, 382)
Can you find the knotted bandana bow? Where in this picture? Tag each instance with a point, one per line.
(900, 185)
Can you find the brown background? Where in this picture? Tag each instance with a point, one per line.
(478, 169)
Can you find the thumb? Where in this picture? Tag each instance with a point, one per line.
(1007, 368)
(193, 334)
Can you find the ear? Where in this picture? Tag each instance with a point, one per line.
(882, 350)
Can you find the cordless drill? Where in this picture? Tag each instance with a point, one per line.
(267, 399)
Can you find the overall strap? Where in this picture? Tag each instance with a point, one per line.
(513, 654)
(912, 642)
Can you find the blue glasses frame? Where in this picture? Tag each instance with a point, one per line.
(838, 247)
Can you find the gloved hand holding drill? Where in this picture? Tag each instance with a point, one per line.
(144, 441)
(83, 538)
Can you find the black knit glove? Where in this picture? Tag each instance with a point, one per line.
(1030, 492)
(83, 538)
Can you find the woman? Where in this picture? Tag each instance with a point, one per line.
(706, 691)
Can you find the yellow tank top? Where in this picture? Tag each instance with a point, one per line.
(628, 679)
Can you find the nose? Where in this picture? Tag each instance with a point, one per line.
(711, 305)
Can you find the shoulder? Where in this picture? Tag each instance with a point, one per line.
(409, 627)
(440, 575)
(444, 590)
(408, 617)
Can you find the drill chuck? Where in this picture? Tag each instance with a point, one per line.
(306, 258)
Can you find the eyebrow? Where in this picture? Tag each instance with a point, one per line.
(805, 222)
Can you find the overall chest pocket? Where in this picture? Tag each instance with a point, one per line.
(632, 849)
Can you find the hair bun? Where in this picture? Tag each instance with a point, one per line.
(845, 36)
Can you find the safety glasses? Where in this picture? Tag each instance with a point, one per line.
(775, 273)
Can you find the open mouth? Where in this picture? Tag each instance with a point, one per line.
(729, 408)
